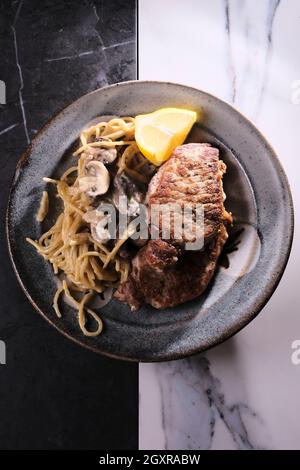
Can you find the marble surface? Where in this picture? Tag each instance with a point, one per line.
(243, 394)
(53, 394)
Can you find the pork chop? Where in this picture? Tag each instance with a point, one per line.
(192, 176)
(163, 275)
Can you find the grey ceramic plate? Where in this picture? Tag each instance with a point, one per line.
(257, 193)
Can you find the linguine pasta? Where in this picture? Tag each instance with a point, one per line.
(44, 206)
(87, 266)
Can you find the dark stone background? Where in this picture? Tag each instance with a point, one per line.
(53, 394)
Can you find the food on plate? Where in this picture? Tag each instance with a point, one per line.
(123, 166)
(44, 206)
(159, 133)
(191, 176)
(163, 275)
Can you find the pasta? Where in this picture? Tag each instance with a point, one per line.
(86, 265)
(44, 206)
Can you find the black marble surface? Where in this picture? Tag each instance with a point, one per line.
(53, 394)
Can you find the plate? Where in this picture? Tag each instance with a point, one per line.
(257, 192)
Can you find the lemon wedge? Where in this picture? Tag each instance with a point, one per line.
(157, 134)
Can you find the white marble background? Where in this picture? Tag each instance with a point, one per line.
(245, 393)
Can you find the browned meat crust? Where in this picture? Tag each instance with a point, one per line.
(163, 273)
(164, 276)
(192, 176)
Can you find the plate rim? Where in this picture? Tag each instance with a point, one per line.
(261, 302)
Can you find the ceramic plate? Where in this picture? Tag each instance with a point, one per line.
(257, 192)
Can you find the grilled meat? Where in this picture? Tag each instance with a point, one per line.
(164, 276)
(192, 176)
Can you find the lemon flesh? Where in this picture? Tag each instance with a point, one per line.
(158, 134)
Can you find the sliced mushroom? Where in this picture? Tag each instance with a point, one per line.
(91, 217)
(98, 224)
(97, 179)
(100, 233)
(125, 187)
(133, 207)
(102, 154)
